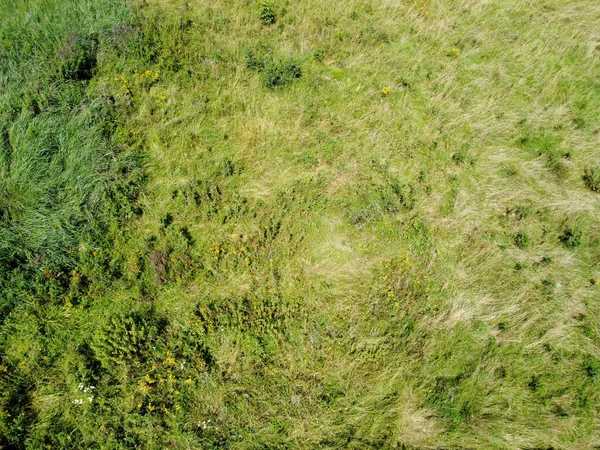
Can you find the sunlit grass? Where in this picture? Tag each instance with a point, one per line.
(301, 225)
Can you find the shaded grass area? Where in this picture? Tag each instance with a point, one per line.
(275, 225)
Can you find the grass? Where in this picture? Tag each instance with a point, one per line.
(298, 225)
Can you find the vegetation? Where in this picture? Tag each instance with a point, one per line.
(248, 225)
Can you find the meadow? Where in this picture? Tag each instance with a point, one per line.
(365, 224)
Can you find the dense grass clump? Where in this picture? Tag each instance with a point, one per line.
(276, 71)
(591, 178)
(65, 174)
(267, 14)
(299, 225)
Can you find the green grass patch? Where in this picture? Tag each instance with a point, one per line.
(298, 225)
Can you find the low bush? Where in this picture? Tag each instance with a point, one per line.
(591, 178)
(275, 71)
(266, 12)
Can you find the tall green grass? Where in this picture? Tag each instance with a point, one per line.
(59, 153)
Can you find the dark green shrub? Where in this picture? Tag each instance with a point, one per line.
(228, 167)
(267, 14)
(592, 367)
(545, 261)
(460, 156)
(571, 237)
(124, 339)
(276, 72)
(522, 240)
(591, 178)
(77, 58)
(281, 73)
(319, 55)
(547, 286)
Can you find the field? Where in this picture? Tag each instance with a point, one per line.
(299, 225)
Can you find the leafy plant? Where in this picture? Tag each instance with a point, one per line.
(77, 57)
(282, 72)
(266, 13)
(275, 71)
(319, 54)
(123, 339)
